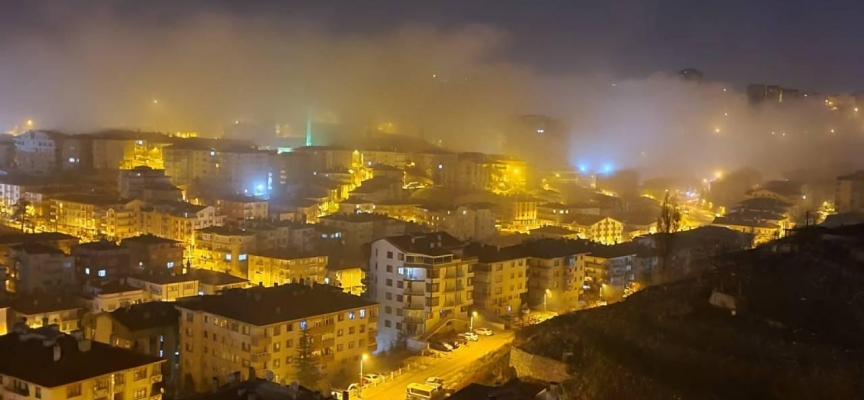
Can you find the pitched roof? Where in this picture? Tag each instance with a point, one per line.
(266, 306)
(514, 389)
(26, 357)
(286, 254)
(18, 238)
(618, 250)
(42, 303)
(148, 239)
(226, 231)
(554, 248)
(487, 254)
(431, 244)
(586, 219)
(148, 315)
(162, 278)
(38, 248)
(214, 278)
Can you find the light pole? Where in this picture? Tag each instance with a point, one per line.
(473, 314)
(360, 386)
(546, 294)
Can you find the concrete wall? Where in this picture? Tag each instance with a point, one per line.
(537, 367)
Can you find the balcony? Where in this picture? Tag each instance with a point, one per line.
(100, 392)
(328, 342)
(322, 329)
(414, 306)
(328, 357)
(156, 378)
(414, 319)
(261, 357)
(413, 291)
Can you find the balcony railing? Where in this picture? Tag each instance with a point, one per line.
(414, 306)
(260, 357)
(413, 291)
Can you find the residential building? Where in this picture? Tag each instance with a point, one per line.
(404, 210)
(391, 158)
(13, 189)
(147, 328)
(111, 295)
(466, 222)
(386, 171)
(4, 317)
(521, 212)
(46, 152)
(360, 229)
(597, 228)
(849, 193)
(614, 265)
(553, 232)
(259, 329)
(164, 286)
(762, 231)
(224, 249)
(43, 268)
(102, 259)
(423, 282)
(349, 277)
(500, 278)
(126, 150)
(147, 184)
(224, 166)
(44, 309)
(178, 220)
(354, 205)
(60, 241)
(438, 165)
(328, 158)
(213, 282)
(240, 208)
(153, 253)
(281, 266)
(92, 216)
(553, 214)
(46, 364)
(556, 273)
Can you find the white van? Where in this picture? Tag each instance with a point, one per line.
(419, 391)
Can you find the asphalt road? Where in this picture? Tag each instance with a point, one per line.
(446, 367)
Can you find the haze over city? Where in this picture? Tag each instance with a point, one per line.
(462, 200)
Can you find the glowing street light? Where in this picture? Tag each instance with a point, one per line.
(716, 130)
(547, 293)
(718, 174)
(363, 358)
(155, 101)
(473, 314)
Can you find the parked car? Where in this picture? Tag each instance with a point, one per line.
(453, 343)
(440, 346)
(484, 331)
(435, 382)
(372, 378)
(469, 336)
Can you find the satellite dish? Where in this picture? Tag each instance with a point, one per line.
(270, 376)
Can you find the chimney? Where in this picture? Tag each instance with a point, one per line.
(57, 352)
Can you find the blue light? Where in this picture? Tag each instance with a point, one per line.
(260, 187)
(607, 168)
(583, 168)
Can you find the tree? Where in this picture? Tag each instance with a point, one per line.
(20, 211)
(307, 363)
(667, 224)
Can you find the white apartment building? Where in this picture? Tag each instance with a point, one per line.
(422, 282)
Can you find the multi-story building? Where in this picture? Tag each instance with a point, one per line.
(597, 228)
(91, 217)
(13, 190)
(849, 193)
(259, 330)
(165, 286)
(153, 253)
(46, 364)
(327, 158)
(555, 273)
(466, 222)
(44, 309)
(224, 249)
(281, 266)
(360, 229)
(56, 240)
(46, 152)
(240, 208)
(396, 159)
(553, 214)
(214, 282)
(353, 205)
(439, 166)
(178, 220)
(349, 278)
(423, 282)
(224, 167)
(405, 210)
(147, 328)
(102, 259)
(135, 184)
(41, 267)
(500, 278)
(615, 265)
(128, 150)
(109, 296)
(521, 212)
(553, 232)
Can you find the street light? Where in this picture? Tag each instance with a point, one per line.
(547, 293)
(473, 314)
(363, 357)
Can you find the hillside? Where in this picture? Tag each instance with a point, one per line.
(798, 331)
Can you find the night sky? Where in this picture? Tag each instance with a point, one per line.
(811, 45)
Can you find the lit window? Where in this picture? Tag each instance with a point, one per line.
(227, 257)
(362, 313)
(212, 153)
(170, 264)
(71, 159)
(351, 315)
(242, 257)
(87, 271)
(303, 325)
(102, 273)
(401, 271)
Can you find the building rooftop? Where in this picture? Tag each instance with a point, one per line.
(102, 245)
(553, 248)
(33, 304)
(113, 287)
(358, 218)
(488, 254)
(214, 278)
(285, 254)
(148, 315)
(552, 230)
(30, 357)
(733, 221)
(148, 239)
(226, 231)
(19, 238)
(763, 203)
(618, 250)
(430, 244)
(238, 198)
(266, 306)
(585, 219)
(90, 199)
(162, 278)
(260, 389)
(355, 200)
(38, 248)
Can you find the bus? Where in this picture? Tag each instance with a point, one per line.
(419, 391)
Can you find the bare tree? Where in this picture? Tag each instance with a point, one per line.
(667, 224)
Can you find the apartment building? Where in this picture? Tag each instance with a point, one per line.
(126, 150)
(438, 165)
(360, 229)
(147, 184)
(46, 364)
(224, 249)
(616, 265)
(178, 220)
(147, 328)
(404, 210)
(349, 278)
(56, 240)
(422, 282)
(259, 330)
(553, 214)
(353, 205)
(109, 296)
(164, 286)
(556, 273)
(500, 278)
(849, 193)
(553, 232)
(102, 259)
(392, 158)
(38, 310)
(240, 208)
(40, 267)
(91, 216)
(227, 167)
(597, 228)
(153, 253)
(214, 282)
(281, 266)
(42, 153)
(466, 222)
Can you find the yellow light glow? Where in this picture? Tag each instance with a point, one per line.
(155, 101)
(365, 356)
(718, 174)
(716, 130)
